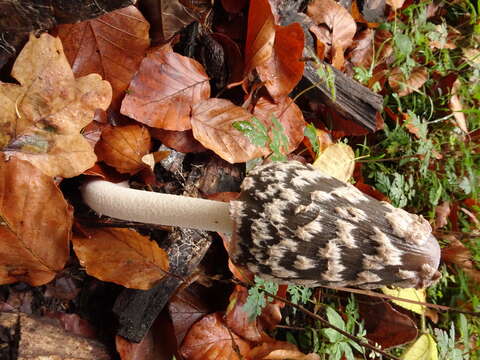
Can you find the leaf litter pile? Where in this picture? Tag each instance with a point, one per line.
(185, 102)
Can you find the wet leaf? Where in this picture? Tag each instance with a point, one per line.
(337, 160)
(164, 90)
(35, 227)
(112, 45)
(210, 339)
(425, 348)
(409, 294)
(123, 147)
(212, 125)
(43, 116)
(121, 256)
(283, 69)
(403, 86)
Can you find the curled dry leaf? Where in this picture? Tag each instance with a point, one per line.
(42, 117)
(210, 339)
(403, 86)
(122, 256)
(284, 68)
(456, 106)
(36, 222)
(112, 45)
(339, 26)
(337, 160)
(260, 34)
(212, 125)
(164, 90)
(289, 115)
(123, 147)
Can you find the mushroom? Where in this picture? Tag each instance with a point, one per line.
(294, 224)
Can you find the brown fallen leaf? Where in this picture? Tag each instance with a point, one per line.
(363, 51)
(182, 141)
(43, 116)
(212, 125)
(112, 45)
(442, 212)
(123, 147)
(455, 104)
(164, 90)
(403, 86)
(282, 71)
(36, 224)
(458, 254)
(121, 256)
(210, 339)
(395, 4)
(279, 350)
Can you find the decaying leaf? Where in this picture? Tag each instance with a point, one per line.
(456, 106)
(403, 86)
(42, 117)
(121, 256)
(425, 348)
(123, 147)
(210, 339)
(212, 125)
(35, 228)
(409, 294)
(337, 160)
(112, 45)
(164, 90)
(283, 69)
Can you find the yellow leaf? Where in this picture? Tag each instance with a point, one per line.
(409, 294)
(337, 160)
(425, 348)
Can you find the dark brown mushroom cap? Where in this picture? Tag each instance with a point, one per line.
(294, 224)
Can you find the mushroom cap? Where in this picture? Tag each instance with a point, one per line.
(294, 224)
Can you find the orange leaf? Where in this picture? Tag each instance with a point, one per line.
(280, 350)
(112, 45)
(284, 69)
(123, 147)
(43, 116)
(403, 86)
(212, 125)
(210, 339)
(121, 256)
(289, 115)
(164, 90)
(260, 34)
(36, 223)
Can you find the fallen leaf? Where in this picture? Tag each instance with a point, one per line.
(212, 125)
(280, 350)
(282, 71)
(363, 51)
(182, 141)
(123, 147)
(233, 6)
(425, 348)
(458, 254)
(260, 34)
(288, 114)
(210, 339)
(455, 104)
(121, 256)
(36, 225)
(339, 26)
(409, 294)
(403, 86)
(164, 90)
(337, 160)
(395, 4)
(43, 116)
(442, 212)
(112, 45)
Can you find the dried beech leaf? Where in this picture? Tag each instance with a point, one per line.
(341, 25)
(456, 106)
(123, 147)
(36, 223)
(260, 34)
(122, 256)
(363, 53)
(284, 68)
(112, 45)
(210, 339)
(289, 115)
(337, 160)
(164, 90)
(43, 116)
(182, 141)
(403, 86)
(212, 125)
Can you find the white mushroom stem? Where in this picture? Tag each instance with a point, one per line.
(120, 202)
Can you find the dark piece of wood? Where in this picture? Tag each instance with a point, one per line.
(352, 100)
(136, 309)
